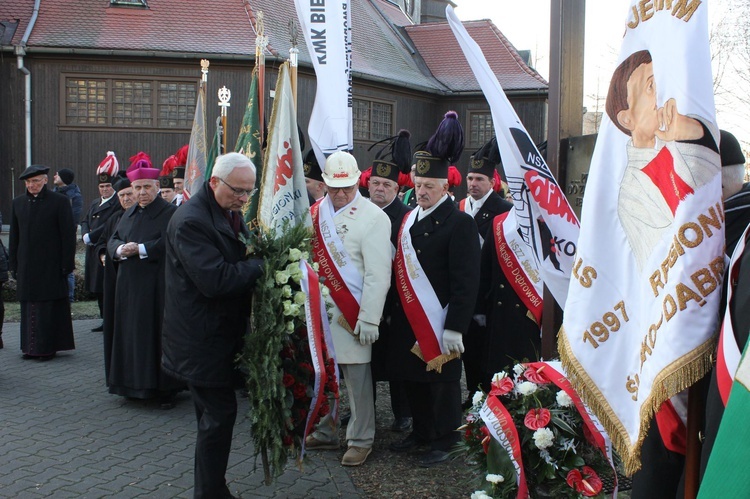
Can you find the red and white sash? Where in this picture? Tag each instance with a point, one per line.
(506, 245)
(500, 424)
(729, 352)
(341, 276)
(421, 305)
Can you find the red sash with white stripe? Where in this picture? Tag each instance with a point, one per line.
(729, 353)
(500, 424)
(341, 277)
(422, 307)
(513, 271)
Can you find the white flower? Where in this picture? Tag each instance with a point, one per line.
(282, 276)
(568, 444)
(299, 297)
(526, 388)
(290, 327)
(518, 369)
(480, 494)
(499, 376)
(477, 399)
(294, 255)
(325, 291)
(563, 399)
(287, 307)
(543, 438)
(547, 458)
(315, 266)
(286, 291)
(295, 310)
(306, 256)
(495, 478)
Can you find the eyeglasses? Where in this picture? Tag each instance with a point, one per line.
(239, 192)
(347, 190)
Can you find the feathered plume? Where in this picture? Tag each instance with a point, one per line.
(397, 149)
(404, 179)
(109, 165)
(168, 166)
(498, 187)
(182, 155)
(142, 159)
(454, 176)
(489, 151)
(364, 178)
(448, 140)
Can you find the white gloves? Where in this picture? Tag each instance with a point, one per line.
(480, 319)
(366, 332)
(453, 341)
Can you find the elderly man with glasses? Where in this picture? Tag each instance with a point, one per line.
(352, 247)
(207, 307)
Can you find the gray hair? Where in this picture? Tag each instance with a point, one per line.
(226, 163)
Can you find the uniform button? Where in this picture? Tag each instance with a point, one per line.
(518, 306)
(426, 234)
(437, 223)
(419, 252)
(499, 304)
(502, 286)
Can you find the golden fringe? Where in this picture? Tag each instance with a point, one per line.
(676, 377)
(435, 364)
(343, 323)
(531, 316)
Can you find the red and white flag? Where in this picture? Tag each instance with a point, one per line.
(641, 315)
(283, 195)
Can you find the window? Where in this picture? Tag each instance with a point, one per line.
(128, 103)
(129, 3)
(372, 120)
(480, 128)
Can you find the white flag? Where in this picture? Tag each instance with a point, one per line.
(283, 195)
(646, 284)
(536, 194)
(328, 33)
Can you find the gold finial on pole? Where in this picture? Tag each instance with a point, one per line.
(204, 70)
(293, 58)
(224, 95)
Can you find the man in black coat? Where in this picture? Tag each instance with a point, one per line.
(438, 253)
(138, 246)
(92, 226)
(383, 187)
(484, 204)
(42, 247)
(207, 307)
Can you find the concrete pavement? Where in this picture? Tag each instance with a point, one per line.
(62, 435)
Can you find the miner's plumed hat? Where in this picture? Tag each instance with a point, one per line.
(442, 150)
(106, 172)
(486, 159)
(33, 171)
(394, 156)
(122, 183)
(311, 167)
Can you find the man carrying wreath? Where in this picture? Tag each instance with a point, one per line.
(353, 249)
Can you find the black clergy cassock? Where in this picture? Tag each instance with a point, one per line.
(42, 243)
(93, 225)
(135, 366)
(109, 279)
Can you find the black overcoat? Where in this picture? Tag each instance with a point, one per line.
(511, 334)
(209, 285)
(109, 281)
(135, 367)
(493, 206)
(42, 245)
(93, 225)
(448, 250)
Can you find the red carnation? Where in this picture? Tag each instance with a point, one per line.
(587, 482)
(288, 380)
(486, 440)
(324, 410)
(287, 352)
(536, 375)
(501, 386)
(287, 440)
(537, 418)
(307, 367)
(299, 391)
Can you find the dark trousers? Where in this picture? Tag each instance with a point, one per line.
(436, 412)
(216, 412)
(476, 346)
(100, 302)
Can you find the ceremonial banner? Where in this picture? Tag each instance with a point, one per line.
(641, 315)
(195, 170)
(283, 195)
(536, 194)
(328, 33)
(249, 143)
(213, 151)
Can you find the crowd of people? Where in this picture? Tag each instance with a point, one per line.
(417, 292)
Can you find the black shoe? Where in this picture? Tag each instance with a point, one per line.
(166, 404)
(401, 425)
(1, 342)
(345, 417)
(433, 457)
(44, 358)
(408, 444)
(98, 329)
(27, 357)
